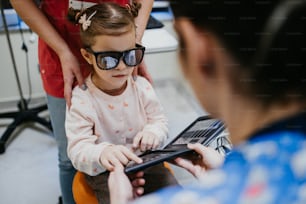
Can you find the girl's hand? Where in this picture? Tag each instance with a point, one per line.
(207, 158)
(146, 141)
(117, 155)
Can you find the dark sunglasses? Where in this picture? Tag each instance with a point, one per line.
(110, 59)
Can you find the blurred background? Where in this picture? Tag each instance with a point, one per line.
(28, 162)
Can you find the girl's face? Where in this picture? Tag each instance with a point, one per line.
(113, 79)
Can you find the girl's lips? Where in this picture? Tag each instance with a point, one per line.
(119, 76)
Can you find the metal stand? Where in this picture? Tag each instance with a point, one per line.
(24, 114)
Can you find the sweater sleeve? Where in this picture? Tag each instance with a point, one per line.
(157, 122)
(83, 149)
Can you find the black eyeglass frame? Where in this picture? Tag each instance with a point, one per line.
(118, 56)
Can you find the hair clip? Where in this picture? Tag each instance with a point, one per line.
(86, 22)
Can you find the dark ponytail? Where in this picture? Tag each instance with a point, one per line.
(73, 15)
(134, 8)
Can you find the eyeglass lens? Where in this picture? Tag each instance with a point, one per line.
(111, 60)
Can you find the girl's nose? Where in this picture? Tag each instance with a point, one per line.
(121, 65)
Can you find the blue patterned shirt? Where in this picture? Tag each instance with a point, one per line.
(269, 168)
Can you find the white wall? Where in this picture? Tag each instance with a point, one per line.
(8, 84)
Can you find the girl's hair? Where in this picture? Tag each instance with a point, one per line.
(104, 19)
(266, 38)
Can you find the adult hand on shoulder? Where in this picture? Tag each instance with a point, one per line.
(142, 70)
(71, 71)
(146, 141)
(117, 155)
(208, 158)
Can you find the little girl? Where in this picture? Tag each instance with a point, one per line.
(114, 116)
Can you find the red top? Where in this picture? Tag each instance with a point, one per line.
(50, 67)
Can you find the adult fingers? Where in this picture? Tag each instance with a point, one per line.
(138, 174)
(138, 192)
(186, 164)
(195, 170)
(79, 78)
(135, 73)
(143, 71)
(210, 157)
(137, 182)
(199, 148)
(68, 83)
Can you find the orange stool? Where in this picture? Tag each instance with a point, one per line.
(83, 194)
(167, 165)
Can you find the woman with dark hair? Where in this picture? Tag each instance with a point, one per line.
(245, 61)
